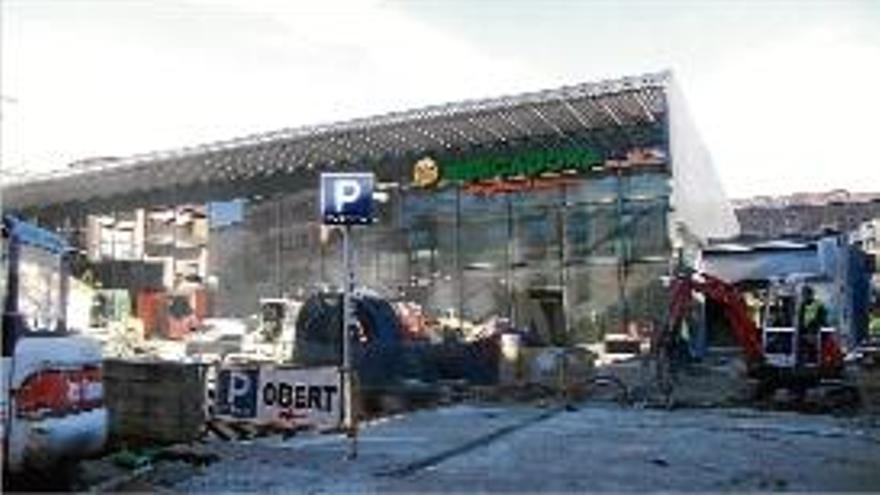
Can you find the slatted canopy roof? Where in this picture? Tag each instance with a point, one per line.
(597, 112)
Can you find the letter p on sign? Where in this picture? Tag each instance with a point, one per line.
(239, 386)
(346, 191)
(347, 198)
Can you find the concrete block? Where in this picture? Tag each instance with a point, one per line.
(154, 402)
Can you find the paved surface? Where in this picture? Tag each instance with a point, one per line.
(596, 448)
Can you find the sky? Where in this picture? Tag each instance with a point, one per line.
(784, 93)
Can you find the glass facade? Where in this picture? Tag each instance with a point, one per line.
(571, 261)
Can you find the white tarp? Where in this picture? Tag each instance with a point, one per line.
(699, 203)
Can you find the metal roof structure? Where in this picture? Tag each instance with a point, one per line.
(779, 259)
(759, 247)
(604, 112)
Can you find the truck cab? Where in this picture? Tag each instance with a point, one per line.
(51, 391)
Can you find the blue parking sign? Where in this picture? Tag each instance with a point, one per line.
(237, 392)
(347, 198)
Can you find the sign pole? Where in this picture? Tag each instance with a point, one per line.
(347, 324)
(346, 199)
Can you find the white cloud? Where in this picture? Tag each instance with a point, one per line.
(796, 114)
(116, 78)
(129, 82)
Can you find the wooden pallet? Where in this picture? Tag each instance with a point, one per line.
(229, 431)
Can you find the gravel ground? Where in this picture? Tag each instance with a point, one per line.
(595, 448)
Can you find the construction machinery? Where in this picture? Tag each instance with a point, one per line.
(275, 335)
(51, 391)
(777, 352)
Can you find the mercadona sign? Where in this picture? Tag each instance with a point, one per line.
(527, 164)
(281, 396)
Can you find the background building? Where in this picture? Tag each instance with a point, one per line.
(805, 214)
(174, 237)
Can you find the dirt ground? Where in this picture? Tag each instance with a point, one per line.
(711, 439)
(592, 448)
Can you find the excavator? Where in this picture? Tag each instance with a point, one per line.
(52, 406)
(775, 354)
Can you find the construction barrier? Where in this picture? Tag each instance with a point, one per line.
(278, 396)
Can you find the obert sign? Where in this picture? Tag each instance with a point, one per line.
(280, 396)
(347, 198)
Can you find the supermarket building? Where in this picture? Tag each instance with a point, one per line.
(559, 209)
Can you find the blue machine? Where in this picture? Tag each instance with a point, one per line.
(381, 355)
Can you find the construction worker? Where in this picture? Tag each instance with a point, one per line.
(812, 316)
(874, 317)
(874, 325)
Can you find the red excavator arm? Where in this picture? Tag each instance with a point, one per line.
(747, 334)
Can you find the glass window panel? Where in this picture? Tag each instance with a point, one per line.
(427, 220)
(593, 190)
(645, 229)
(593, 293)
(591, 231)
(39, 290)
(646, 297)
(649, 185)
(536, 226)
(485, 256)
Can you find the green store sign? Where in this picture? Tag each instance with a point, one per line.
(530, 163)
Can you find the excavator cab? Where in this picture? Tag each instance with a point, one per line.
(782, 342)
(774, 351)
(779, 334)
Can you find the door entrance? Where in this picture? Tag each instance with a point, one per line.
(542, 312)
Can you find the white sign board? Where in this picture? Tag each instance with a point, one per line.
(282, 396)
